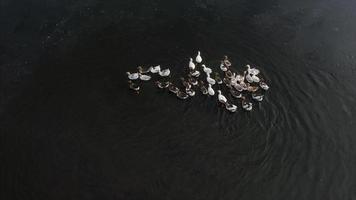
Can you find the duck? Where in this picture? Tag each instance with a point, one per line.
(246, 105)
(155, 70)
(165, 72)
(173, 88)
(252, 71)
(226, 61)
(252, 78)
(192, 81)
(206, 69)
(257, 97)
(190, 91)
(203, 89)
(239, 87)
(191, 64)
(217, 78)
(264, 85)
(133, 86)
(241, 78)
(236, 94)
(223, 67)
(162, 84)
(210, 80)
(195, 73)
(251, 88)
(211, 91)
(145, 77)
(182, 95)
(132, 76)
(229, 74)
(185, 83)
(141, 70)
(221, 98)
(230, 107)
(198, 59)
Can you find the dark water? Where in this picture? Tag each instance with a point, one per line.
(70, 128)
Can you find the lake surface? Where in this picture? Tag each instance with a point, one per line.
(71, 129)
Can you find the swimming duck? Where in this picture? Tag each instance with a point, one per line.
(156, 69)
(198, 59)
(210, 80)
(203, 89)
(221, 98)
(173, 88)
(230, 107)
(165, 72)
(206, 69)
(239, 87)
(229, 74)
(162, 84)
(190, 92)
(182, 95)
(257, 97)
(241, 78)
(235, 93)
(145, 77)
(252, 78)
(252, 71)
(132, 76)
(251, 88)
(191, 64)
(195, 73)
(211, 91)
(192, 81)
(246, 105)
(185, 83)
(226, 61)
(217, 78)
(223, 67)
(263, 85)
(143, 71)
(133, 86)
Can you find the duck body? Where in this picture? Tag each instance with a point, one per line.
(173, 88)
(230, 107)
(210, 80)
(198, 59)
(236, 94)
(223, 67)
(162, 84)
(257, 97)
(155, 70)
(145, 77)
(246, 105)
(252, 71)
(211, 91)
(165, 72)
(190, 92)
(182, 95)
(195, 73)
(221, 98)
(264, 86)
(132, 76)
(207, 70)
(193, 81)
(191, 64)
(133, 86)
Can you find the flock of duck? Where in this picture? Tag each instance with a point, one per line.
(243, 88)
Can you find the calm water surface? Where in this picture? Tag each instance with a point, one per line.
(70, 128)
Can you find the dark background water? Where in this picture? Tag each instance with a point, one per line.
(70, 128)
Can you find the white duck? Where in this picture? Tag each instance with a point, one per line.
(230, 107)
(252, 78)
(210, 80)
(246, 105)
(198, 59)
(145, 77)
(206, 69)
(211, 91)
(257, 97)
(155, 70)
(191, 64)
(263, 85)
(221, 98)
(165, 72)
(252, 71)
(195, 73)
(223, 67)
(132, 76)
